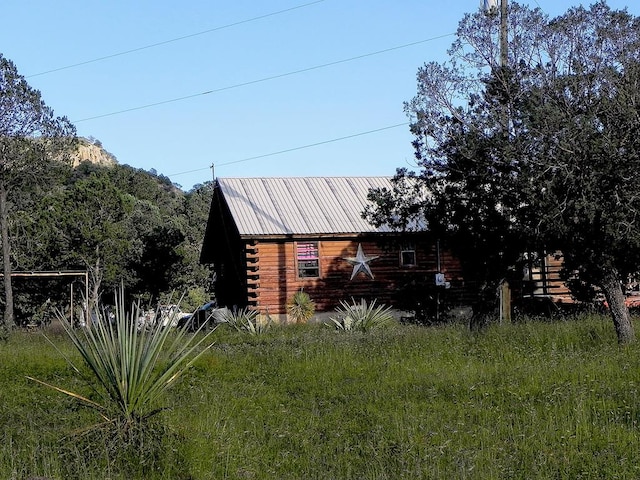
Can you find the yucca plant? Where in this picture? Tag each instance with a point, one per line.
(132, 367)
(361, 316)
(246, 320)
(301, 308)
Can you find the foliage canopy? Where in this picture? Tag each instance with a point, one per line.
(541, 154)
(31, 138)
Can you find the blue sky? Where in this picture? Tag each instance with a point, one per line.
(331, 86)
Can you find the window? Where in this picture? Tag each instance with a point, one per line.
(408, 256)
(308, 259)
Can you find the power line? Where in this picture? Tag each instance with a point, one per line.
(288, 150)
(184, 37)
(260, 80)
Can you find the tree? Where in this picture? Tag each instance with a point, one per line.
(156, 269)
(195, 212)
(539, 154)
(30, 137)
(92, 220)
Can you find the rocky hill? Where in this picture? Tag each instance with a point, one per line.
(91, 150)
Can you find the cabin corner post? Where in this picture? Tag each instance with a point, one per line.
(252, 262)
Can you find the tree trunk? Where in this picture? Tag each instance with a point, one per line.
(612, 288)
(96, 281)
(7, 320)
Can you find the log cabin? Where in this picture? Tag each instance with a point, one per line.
(543, 275)
(268, 238)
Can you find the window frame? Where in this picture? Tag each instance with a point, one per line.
(409, 248)
(312, 247)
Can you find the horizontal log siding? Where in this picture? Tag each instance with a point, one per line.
(274, 278)
(547, 280)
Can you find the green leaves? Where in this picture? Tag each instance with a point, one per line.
(30, 138)
(361, 317)
(131, 367)
(538, 155)
(246, 320)
(301, 308)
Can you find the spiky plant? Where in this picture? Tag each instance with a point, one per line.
(246, 320)
(130, 368)
(361, 316)
(301, 308)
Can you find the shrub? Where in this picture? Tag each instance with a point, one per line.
(132, 368)
(194, 298)
(361, 317)
(246, 320)
(301, 308)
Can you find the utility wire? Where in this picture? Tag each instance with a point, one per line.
(153, 45)
(260, 80)
(310, 145)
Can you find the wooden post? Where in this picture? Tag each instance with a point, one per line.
(71, 305)
(439, 268)
(505, 301)
(86, 299)
(505, 289)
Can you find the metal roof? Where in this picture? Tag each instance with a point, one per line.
(300, 205)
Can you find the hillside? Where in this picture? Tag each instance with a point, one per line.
(91, 150)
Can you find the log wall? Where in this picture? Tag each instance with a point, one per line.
(273, 278)
(546, 280)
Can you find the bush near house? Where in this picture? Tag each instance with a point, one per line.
(301, 308)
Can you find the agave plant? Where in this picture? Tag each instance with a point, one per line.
(246, 320)
(361, 317)
(301, 308)
(132, 367)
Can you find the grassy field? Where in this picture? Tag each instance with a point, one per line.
(530, 400)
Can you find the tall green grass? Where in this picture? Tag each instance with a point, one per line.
(531, 400)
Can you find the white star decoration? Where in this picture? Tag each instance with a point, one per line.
(360, 263)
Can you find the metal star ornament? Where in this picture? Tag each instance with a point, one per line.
(360, 263)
